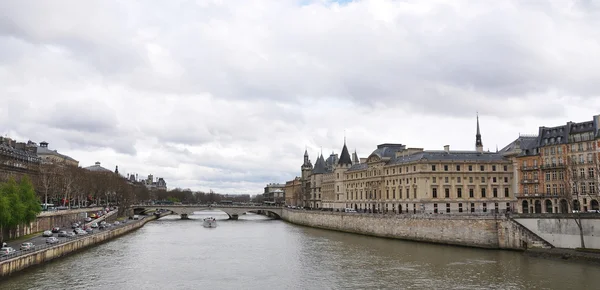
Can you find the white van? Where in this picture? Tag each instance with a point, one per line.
(349, 210)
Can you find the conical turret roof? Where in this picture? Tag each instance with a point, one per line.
(345, 156)
(319, 166)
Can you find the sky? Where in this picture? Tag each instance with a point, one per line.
(227, 95)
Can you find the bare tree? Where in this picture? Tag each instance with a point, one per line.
(47, 180)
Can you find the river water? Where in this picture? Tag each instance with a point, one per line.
(255, 252)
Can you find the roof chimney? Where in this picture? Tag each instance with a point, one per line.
(447, 148)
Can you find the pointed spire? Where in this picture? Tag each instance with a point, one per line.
(345, 156)
(478, 143)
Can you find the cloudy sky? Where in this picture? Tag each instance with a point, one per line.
(227, 94)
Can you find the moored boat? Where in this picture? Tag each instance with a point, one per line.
(210, 222)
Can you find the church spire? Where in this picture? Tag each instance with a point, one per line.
(478, 143)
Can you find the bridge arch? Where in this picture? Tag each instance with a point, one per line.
(233, 212)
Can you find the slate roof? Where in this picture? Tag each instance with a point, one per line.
(41, 150)
(527, 144)
(345, 156)
(319, 166)
(388, 150)
(97, 168)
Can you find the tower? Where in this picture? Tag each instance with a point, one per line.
(306, 169)
(344, 163)
(478, 143)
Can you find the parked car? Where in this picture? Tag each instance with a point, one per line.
(27, 246)
(7, 251)
(94, 225)
(89, 230)
(88, 219)
(47, 234)
(55, 229)
(116, 223)
(51, 240)
(62, 233)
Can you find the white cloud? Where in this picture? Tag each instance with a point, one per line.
(227, 94)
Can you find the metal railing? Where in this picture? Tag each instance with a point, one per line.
(62, 240)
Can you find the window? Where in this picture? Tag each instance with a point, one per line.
(400, 193)
(432, 167)
(547, 188)
(460, 207)
(446, 179)
(582, 172)
(445, 167)
(554, 189)
(505, 179)
(553, 175)
(472, 207)
(394, 193)
(457, 167)
(493, 168)
(482, 179)
(494, 179)
(471, 179)
(434, 179)
(470, 167)
(505, 168)
(547, 176)
(458, 179)
(495, 192)
(592, 187)
(387, 194)
(484, 207)
(435, 209)
(481, 168)
(471, 193)
(447, 192)
(591, 172)
(434, 192)
(506, 192)
(483, 192)
(447, 208)
(459, 192)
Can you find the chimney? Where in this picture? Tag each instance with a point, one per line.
(447, 148)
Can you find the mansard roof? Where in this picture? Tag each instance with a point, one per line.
(526, 144)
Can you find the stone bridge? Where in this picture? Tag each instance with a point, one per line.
(232, 211)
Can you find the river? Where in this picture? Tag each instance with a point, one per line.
(255, 252)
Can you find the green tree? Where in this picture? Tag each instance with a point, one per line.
(30, 202)
(18, 203)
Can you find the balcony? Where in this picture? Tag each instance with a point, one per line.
(530, 181)
(529, 168)
(553, 166)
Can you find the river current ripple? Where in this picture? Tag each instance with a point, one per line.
(255, 252)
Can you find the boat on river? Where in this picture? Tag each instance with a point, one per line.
(210, 222)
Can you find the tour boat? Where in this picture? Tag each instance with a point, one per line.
(210, 222)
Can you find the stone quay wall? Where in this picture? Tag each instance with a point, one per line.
(19, 263)
(46, 221)
(481, 231)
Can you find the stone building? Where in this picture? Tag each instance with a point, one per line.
(16, 159)
(293, 192)
(274, 193)
(558, 170)
(398, 179)
(52, 156)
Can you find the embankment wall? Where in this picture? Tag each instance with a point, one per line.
(19, 263)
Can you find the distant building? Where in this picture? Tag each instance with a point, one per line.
(51, 156)
(16, 159)
(97, 168)
(274, 193)
(158, 184)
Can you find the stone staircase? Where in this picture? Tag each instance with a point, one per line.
(531, 239)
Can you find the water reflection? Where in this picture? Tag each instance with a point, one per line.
(257, 253)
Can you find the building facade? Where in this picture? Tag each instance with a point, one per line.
(52, 156)
(274, 193)
(293, 192)
(558, 168)
(16, 159)
(398, 179)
